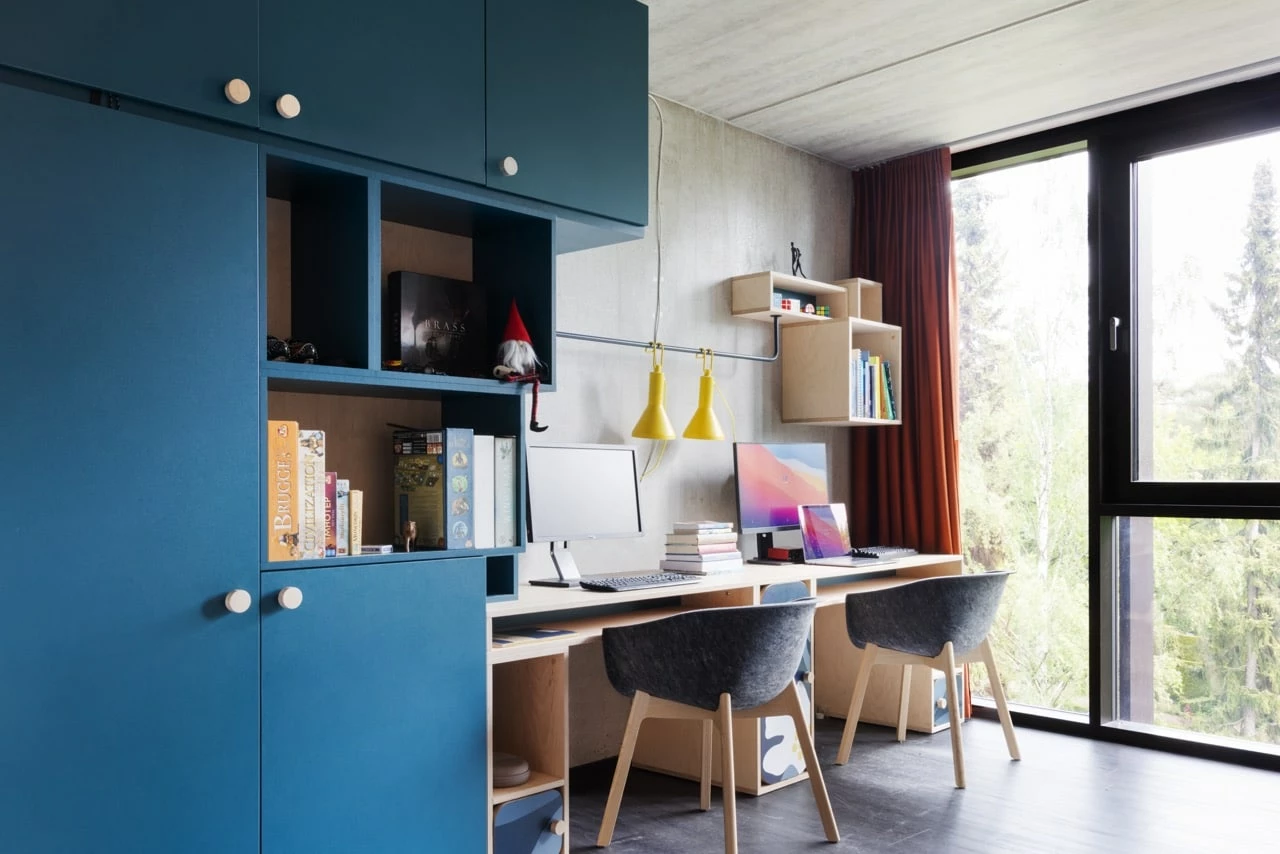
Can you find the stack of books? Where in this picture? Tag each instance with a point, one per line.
(702, 548)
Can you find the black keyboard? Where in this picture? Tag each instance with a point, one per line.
(883, 552)
(617, 583)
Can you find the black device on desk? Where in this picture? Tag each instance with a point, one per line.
(580, 492)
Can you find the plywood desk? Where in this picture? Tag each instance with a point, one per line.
(529, 679)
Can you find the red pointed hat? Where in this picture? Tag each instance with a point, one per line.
(515, 327)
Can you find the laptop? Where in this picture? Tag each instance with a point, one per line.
(824, 529)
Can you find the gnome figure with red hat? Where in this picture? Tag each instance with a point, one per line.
(517, 361)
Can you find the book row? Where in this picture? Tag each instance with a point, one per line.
(311, 513)
(453, 490)
(871, 387)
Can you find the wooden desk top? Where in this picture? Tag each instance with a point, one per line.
(548, 607)
(549, 600)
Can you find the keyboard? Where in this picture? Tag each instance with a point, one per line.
(618, 583)
(883, 552)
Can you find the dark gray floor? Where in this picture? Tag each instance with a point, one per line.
(1066, 795)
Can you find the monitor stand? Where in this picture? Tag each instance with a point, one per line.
(566, 570)
(764, 542)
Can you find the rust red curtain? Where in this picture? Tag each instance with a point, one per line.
(905, 479)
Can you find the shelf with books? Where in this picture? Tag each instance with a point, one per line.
(821, 368)
(420, 556)
(360, 439)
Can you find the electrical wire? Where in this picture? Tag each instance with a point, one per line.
(657, 218)
(733, 421)
(662, 452)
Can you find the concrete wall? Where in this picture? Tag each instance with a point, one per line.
(732, 202)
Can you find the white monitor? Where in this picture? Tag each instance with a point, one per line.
(581, 492)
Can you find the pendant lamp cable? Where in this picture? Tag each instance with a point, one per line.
(657, 218)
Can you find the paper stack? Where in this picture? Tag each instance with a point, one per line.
(702, 548)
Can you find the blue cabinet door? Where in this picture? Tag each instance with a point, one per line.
(400, 82)
(567, 82)
(373, 709)
(174, 53)
(128, 442)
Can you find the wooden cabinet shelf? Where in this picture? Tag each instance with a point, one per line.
(537, 782)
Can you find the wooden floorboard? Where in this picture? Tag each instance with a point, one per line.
(1066, 795)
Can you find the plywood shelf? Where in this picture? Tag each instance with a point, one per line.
(753, 297)
(537, 782)
(817, 382)
(784, 317)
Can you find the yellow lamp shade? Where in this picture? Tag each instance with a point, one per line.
(654, 423)
(703, 424)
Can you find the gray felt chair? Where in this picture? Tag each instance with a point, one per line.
(937, 622)
(714, 665)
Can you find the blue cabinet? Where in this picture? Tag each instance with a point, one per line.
(373, 708)
(180, 54)
(400, 82)
(128, 374)
(567, 83)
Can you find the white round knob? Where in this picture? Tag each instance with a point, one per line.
(288, 106)
(941, 702)
(237, 601)
(559, 827)
(237, 91)
(289, 598)
(509, 166)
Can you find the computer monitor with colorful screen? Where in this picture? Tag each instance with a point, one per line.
(773, 479)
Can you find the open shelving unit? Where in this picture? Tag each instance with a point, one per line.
(753, 298)
(817, 377)
(331, 237)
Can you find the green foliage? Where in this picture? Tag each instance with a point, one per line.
(1215, 621)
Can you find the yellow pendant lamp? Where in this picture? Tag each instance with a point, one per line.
(654, 423)
(704, 424)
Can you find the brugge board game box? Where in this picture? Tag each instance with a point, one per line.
(434, 474)
(435, 325)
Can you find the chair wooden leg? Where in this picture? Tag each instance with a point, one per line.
(639, 705)
(704, 799)
(855, 704)
(727, 781)
(956, 712)
(800, 717)
(904, 701)
(997, 691)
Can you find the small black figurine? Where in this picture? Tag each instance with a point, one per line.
(796, 269)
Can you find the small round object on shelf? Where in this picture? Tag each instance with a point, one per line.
(289, 598)
(509, 770)
(288, 106)
(808, 308)
(237, 91)
(509, 166)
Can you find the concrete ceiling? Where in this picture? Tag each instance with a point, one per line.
(860, 81)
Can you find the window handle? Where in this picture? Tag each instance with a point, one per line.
(1115, 334)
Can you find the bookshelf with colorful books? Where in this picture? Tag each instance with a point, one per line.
(846, 372)
(337, 240)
